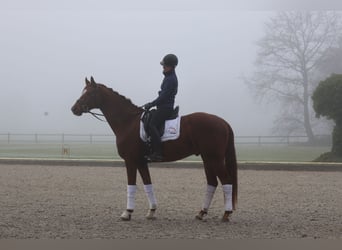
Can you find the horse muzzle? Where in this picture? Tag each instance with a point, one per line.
(78, 109)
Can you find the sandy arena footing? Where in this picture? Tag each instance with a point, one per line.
(75, 202)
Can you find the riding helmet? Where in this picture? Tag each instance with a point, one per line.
(170, 60)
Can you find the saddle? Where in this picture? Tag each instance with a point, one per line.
(147, 116)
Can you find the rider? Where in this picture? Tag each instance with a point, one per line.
(165, 104)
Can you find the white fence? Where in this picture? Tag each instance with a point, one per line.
(11, 138)
(14, 138)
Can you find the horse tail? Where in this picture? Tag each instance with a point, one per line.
(231, 164)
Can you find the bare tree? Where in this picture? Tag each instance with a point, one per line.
(332, 63)
(293, 46)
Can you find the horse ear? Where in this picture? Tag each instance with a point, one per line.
(87, 81)
(92, 81)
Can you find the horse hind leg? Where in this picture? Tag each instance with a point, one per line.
(209, 195)
(210, 191)
(228, 203)
(226, 216)
(227, 188)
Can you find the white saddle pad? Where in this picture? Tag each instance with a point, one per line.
(171, 132)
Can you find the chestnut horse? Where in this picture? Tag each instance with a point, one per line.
(200, 134)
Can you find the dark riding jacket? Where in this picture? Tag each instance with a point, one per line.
(168, 91)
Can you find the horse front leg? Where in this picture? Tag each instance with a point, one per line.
(131, 191)
(148, 188)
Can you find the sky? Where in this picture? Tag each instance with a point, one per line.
(47, 48)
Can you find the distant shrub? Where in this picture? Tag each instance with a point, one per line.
(327, 101)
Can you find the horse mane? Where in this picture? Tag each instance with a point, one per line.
(123, 98)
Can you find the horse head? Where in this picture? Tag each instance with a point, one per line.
(89, 99)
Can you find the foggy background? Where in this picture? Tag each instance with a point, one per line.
(49, 47)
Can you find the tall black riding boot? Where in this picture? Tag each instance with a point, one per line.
(156, 147)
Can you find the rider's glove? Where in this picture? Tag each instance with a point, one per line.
(147, 106)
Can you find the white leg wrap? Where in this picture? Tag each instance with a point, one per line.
(228, 193)
(150, 196)
(209, 195)
(131, 190)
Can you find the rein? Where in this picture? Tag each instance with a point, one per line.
(96, 115)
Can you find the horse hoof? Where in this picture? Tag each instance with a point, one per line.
(202, 215)
(226, 215)
(150, 214)
(126, 216)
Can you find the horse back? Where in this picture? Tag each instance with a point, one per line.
(204, 123)
(207, 131)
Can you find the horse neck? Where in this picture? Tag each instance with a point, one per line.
(119, 111)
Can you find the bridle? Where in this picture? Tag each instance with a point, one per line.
(85, 109)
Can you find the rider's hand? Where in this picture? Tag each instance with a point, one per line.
(147, 106)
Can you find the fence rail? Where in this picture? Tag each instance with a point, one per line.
(56, 138)
(63, 138)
